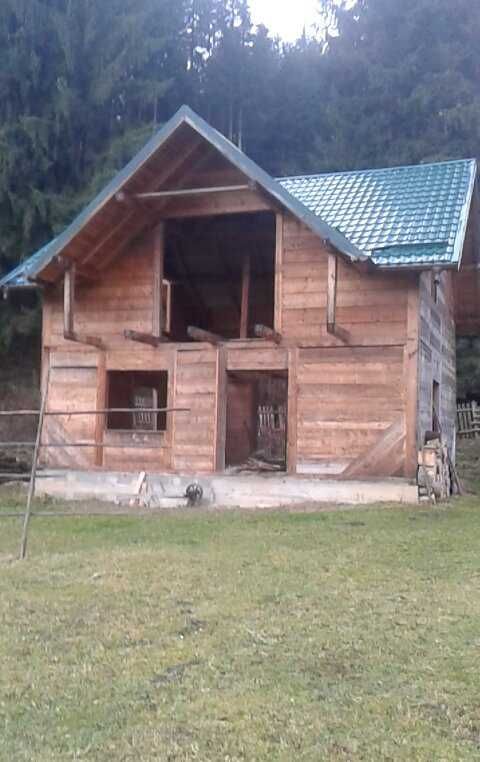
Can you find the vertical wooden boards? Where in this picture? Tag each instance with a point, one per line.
(437, 358)
(278, 272)
(410, 365)
(244, 312)
(158, 271)
(194, 446)
(347, 399)
(292, 414)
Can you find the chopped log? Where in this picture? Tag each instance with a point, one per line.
(145, 338)
(91, 341)
(198, 334)
(264, 332)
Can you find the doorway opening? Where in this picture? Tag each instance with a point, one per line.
(257, 405)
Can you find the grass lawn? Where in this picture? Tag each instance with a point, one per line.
(352, 635)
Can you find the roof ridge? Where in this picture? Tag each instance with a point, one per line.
(317, 175)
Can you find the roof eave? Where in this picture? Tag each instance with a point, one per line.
(464, 218)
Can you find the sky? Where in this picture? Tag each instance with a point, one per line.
(285, 17)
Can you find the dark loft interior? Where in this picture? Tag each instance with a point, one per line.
(208, 261)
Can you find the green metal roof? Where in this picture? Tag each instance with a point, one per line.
(401, 216)
(407, 216)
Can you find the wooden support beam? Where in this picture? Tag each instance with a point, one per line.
(190, 192)
(69, 333)
(240, 202)
(246, 273)
(332, 284)
(198, 334)
(145, 338)
(69, 300)
(158, 270)
(278, 271)
(138, 216)
(264, 332)
(78, 338)
(332, 291)
(87, 273)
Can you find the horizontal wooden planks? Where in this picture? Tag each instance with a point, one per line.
(193, 441)
(347, 399)
(371, 307)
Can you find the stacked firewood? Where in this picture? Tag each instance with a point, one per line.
(434, 471)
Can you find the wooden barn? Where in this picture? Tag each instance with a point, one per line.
(305, 324)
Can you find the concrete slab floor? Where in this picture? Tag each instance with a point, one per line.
(228, 491)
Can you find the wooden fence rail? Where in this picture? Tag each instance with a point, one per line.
(38, 444)
(468, 420)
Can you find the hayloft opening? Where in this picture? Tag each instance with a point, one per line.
(221, 270)
(257, 420)
(140, 390)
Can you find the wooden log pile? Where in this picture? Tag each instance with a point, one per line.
(434, 472)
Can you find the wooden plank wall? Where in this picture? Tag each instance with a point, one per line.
(344, 399)
(349, 396)
(122, 298)
(72, 386)
(371, 307)
(347, 399)
(194, 434)
(437, 360)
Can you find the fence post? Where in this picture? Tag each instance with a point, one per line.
(33, 475)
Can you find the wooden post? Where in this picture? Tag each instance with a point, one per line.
(278, 272)
(33, 474)
(158, 271)
(292, 424)
(246, 272)
(69, 300)
(332, 292)
(410, 375)
(221, 411)
(102, 403)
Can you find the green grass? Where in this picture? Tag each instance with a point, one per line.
(268, 636)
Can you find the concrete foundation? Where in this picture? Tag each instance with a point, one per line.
(229, 491)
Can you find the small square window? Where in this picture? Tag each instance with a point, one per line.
(140, 392)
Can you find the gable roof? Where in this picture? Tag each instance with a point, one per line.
(400, 216)
(185, 116)
(408, 216)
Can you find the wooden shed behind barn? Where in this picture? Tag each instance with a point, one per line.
(195, 281)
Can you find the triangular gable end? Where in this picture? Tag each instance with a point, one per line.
(175, 149)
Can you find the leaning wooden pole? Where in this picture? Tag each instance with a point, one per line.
(33, 474)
